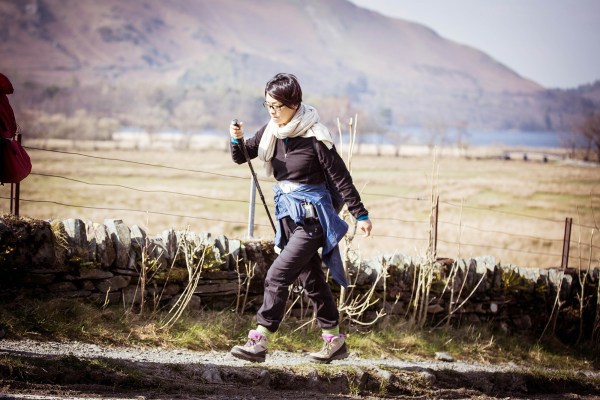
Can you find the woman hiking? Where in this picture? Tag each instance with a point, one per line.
(298, 151)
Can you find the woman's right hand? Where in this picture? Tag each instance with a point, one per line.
(236, 130)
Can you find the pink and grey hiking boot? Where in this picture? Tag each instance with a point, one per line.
(254, 350)
(333, 349)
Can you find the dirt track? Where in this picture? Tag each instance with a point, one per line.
(50, 370)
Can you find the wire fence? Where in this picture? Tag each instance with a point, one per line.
(458, 234)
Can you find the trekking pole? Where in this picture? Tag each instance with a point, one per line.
(241, 144)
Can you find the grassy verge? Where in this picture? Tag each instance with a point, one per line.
(62, 319)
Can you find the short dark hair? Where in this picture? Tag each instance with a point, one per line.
(286, 89)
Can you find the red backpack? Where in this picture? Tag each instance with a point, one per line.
(15, 163)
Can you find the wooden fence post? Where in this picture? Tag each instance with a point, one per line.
(15, 191)
(566, 243)
(12, 198)
(434, 227)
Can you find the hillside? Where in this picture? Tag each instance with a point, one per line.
(177, 59)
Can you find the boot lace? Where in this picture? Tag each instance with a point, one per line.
(253, 340)
(326, 349)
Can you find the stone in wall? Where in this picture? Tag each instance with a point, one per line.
(92, 245)
(138, 251)
(194, 302)
(156, 251)
(138, 237)
(26, 243)
(171, 245)
(559, 280)
(221, 244)
(457, 273)
(218, 283)
(133, 294)
(121, 239)
(488, 266)
(62, 287)
(162, 249)
(93, 274)
(471, 276)
(41, 240)
(76, 236)
(113, 284)
(236, 254)
(367, 273)
(170, 289)
(60, 243)
(260, 254)
(101, 244)
(43, 279)
(191, 246)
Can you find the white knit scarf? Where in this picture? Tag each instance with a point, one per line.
(305, 123)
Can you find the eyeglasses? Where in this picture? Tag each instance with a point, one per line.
(274, 107)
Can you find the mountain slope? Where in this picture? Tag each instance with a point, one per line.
(371, 63)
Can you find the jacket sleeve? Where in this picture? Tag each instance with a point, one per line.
(237, 154)
(337, 173)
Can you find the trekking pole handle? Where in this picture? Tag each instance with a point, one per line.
(235, 123)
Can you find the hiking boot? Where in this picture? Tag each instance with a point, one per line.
(254, 350)
(333, 349)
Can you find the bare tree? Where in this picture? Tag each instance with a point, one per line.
(435, 133)
(590, 130)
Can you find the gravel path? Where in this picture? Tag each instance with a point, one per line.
(229, 378)
(181, 356)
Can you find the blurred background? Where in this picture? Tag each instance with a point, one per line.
(124, 108)
(87, 69)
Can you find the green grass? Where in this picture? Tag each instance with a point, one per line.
(63, 319)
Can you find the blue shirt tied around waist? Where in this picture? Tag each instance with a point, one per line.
(334, 228)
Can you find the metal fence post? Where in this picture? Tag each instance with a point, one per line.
(566, 243)
(251, 208)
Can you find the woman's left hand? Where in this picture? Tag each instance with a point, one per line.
(365, 227)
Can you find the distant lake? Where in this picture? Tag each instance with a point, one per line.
(411, 136)
(417, 136)
(514, 138)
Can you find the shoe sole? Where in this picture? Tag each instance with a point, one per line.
(327, 361)
(248, 356)
(340, 356)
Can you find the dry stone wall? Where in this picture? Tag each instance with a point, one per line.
(114, 263)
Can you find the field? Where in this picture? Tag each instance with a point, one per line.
(513, 209)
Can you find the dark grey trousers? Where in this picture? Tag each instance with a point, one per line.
(298, 259)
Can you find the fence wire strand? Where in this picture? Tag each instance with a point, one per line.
(500, 232)
(139, 190)
(498, 248)
(138, 163)
(130, 210)
(374, 217)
